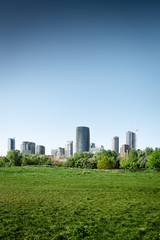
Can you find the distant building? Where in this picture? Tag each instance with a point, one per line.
(60, 152)
(92, 145)
(125, 149)
(40, 150)
(28, 147)
(96, 149)
(131, 140)
(11, 144)
(54, 152)
(69, 149)
(115, 145)
(82, 139)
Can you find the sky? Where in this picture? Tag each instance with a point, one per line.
(65, 64)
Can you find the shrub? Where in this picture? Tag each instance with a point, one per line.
(154, 160)
(92, 165)
(26, 160)
(4, 162)
(14, 158)
(70, 162)
(105, 163)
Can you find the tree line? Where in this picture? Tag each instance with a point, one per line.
(135, 160)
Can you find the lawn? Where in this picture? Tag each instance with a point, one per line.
(55, 203)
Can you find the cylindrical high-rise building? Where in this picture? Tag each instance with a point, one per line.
(115, 145)
(82, 139)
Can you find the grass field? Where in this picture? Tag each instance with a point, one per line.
(54, 203)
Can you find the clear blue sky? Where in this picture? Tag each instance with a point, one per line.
(80, 63)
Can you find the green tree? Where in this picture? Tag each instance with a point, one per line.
(26, 159)
(154, 160)
(4, 162)
(148, 152)
(14, 157)
(124, 161)
(142, 160)
(35, 160)
(44, 160)
(105, 163)
(133, 159)
(99, 155)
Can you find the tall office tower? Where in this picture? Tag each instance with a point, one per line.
(28, 147)
(40, 150)
(125, 149)
(69, 149)
(115, 145)
(131, 140)
(11, 144)
(82, 139)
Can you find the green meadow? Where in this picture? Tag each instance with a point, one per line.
(55, 203)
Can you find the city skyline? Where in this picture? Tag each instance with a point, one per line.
(79, 63)
(82, 144)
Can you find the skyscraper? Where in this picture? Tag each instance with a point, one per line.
(28, 147)
(82, 139)
(131, 140)
(115, 144)
(69, 149)
(11, 144)
(40, 150)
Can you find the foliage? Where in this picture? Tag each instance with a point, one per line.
(4, 162)
(105, 163)
(148, 152)
(99, 155)
(14, 158)
(135, 160)
(154, 160)
(142, 159)
(44, 160)
(80, 160)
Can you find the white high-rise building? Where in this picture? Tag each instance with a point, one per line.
(115, 145)
(11, 144)
(69, 149)
(131, 140)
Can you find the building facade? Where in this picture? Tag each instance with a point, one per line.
(60, 152)
(131, 140)
(54, 152)
(125, 149)
(96, 149)
(82, 139)
(69, 149)
(11, 144)
(115, 145)
(40, 150)
(92, 145)
(28, 147)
